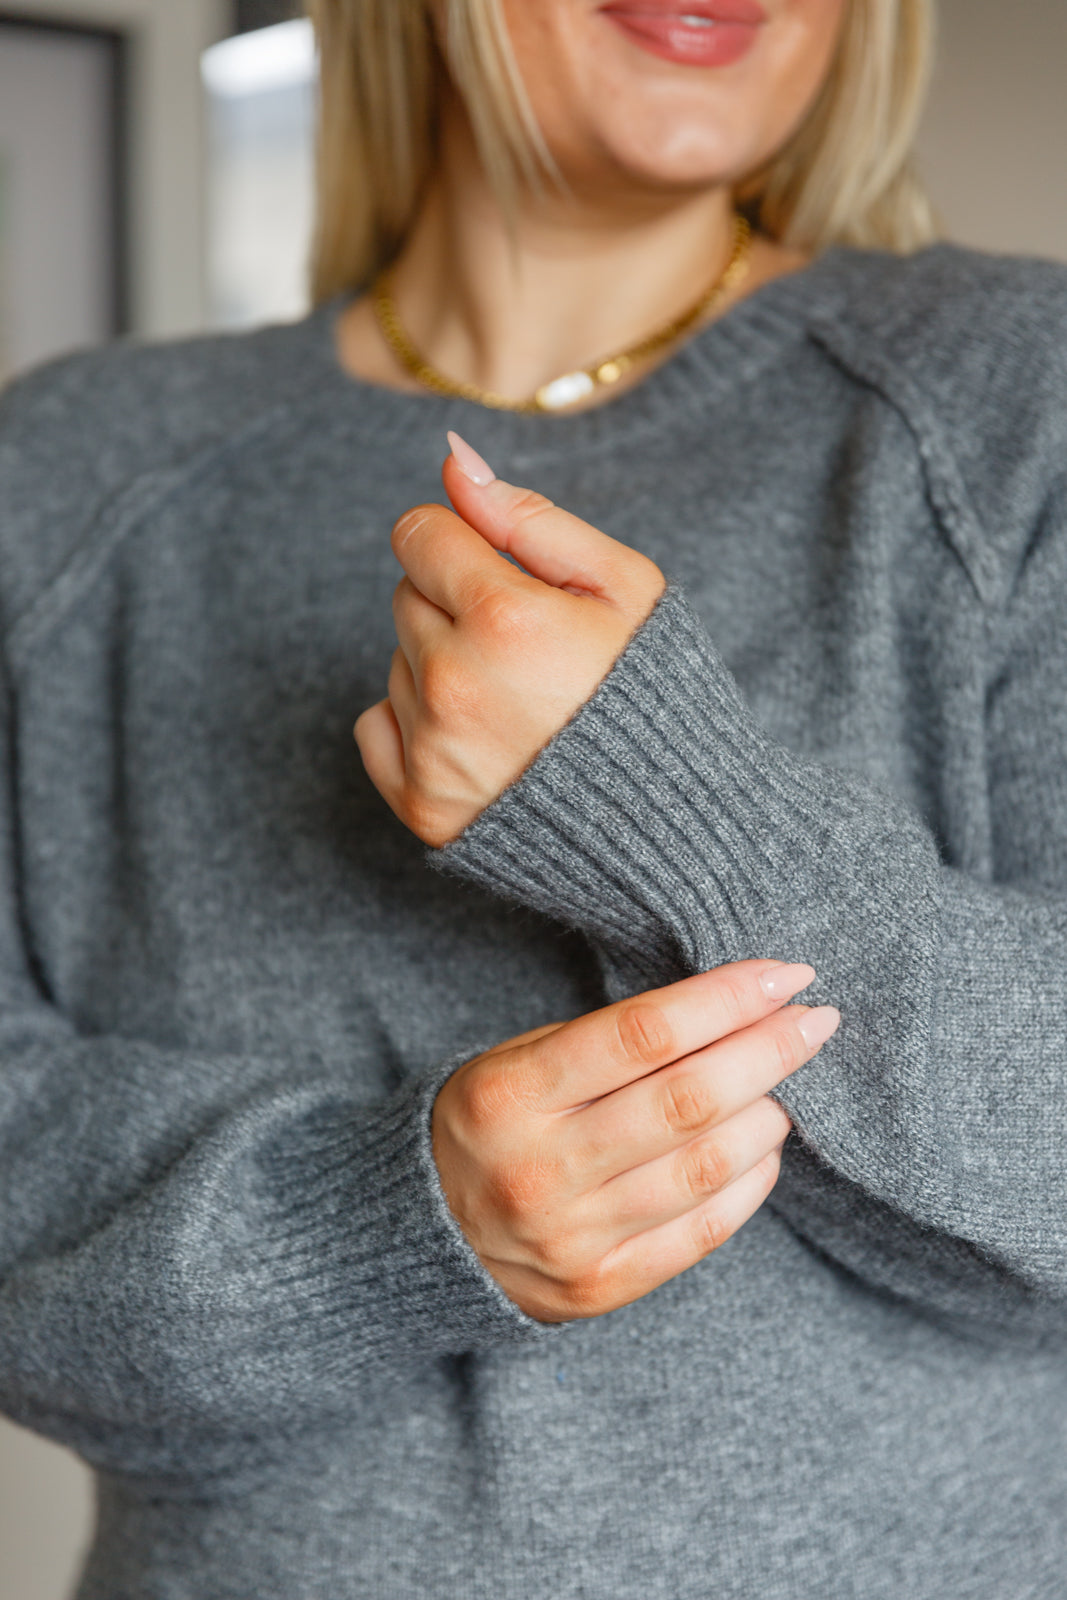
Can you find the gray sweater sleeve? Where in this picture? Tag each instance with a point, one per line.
(217, 1272)
(666, 824)
(183, 1261)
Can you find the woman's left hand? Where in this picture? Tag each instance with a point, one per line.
(494, 658)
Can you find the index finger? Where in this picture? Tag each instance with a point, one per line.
(448, 561)
(602, 1051)
(556, 546)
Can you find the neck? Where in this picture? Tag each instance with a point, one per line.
(574, 280)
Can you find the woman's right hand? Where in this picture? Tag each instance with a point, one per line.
(588, 1162)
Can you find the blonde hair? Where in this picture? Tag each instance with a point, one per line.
(845, 176)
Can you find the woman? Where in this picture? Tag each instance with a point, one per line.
(502, 1231)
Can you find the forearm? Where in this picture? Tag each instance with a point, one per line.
(665, 824)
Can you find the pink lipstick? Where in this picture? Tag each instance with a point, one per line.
(695, 33)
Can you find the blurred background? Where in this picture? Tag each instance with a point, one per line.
(155, 178)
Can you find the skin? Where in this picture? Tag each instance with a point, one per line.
(590, 1161)
(651, 153)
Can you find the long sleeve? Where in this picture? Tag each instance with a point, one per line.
(219, 1270)
(666, 824)
(198, 1250)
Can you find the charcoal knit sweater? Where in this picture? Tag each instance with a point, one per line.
(231, 984)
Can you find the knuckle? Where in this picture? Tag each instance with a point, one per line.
(734, 996)
(407, 526)
(518, 1192)
(563, 1256)
(484, 1097)
(687, 1105)
(502, 615)
(644, 1034)
(590, 1293)
(528, 504)
(788, 1047)
(707, 1168)
(710, 1230)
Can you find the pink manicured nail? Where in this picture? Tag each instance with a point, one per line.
(817, 1026)
(782, 983)
(470, 462)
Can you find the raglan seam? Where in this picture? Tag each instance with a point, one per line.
(947, 493)
(113, 521)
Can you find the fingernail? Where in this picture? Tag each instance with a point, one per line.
(470, 462)
(818, 1025)
(781, 983)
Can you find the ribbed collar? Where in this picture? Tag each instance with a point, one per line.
(734, 349)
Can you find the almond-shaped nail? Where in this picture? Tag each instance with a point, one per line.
(782, 983)
(470, 463)
(818, 1025)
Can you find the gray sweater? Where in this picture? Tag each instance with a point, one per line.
(230, 984)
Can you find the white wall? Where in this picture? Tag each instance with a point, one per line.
(55, 139)
(45, 1517)
(993, 149)
(167, 176)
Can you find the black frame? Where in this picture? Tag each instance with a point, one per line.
(251, 14)
(118, 57)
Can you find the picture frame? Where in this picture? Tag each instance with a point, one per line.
(64, 225)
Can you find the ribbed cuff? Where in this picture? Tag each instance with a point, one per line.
(662, 819)
(302, 1251)
(365, 1203)
(666, 824)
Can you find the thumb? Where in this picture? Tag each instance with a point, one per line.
(548, 543)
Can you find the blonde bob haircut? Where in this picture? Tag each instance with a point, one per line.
(845, 176)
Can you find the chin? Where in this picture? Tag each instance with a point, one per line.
(665, 151)
(601, 99)
(685, 159)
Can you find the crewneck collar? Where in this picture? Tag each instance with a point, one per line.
(732, 350)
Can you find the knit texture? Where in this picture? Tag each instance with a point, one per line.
(231, 986)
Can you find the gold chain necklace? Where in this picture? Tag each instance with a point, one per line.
(572, 386)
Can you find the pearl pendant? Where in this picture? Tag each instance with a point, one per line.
(564, 391)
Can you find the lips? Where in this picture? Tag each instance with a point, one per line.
(744, 11)
(700, 33)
